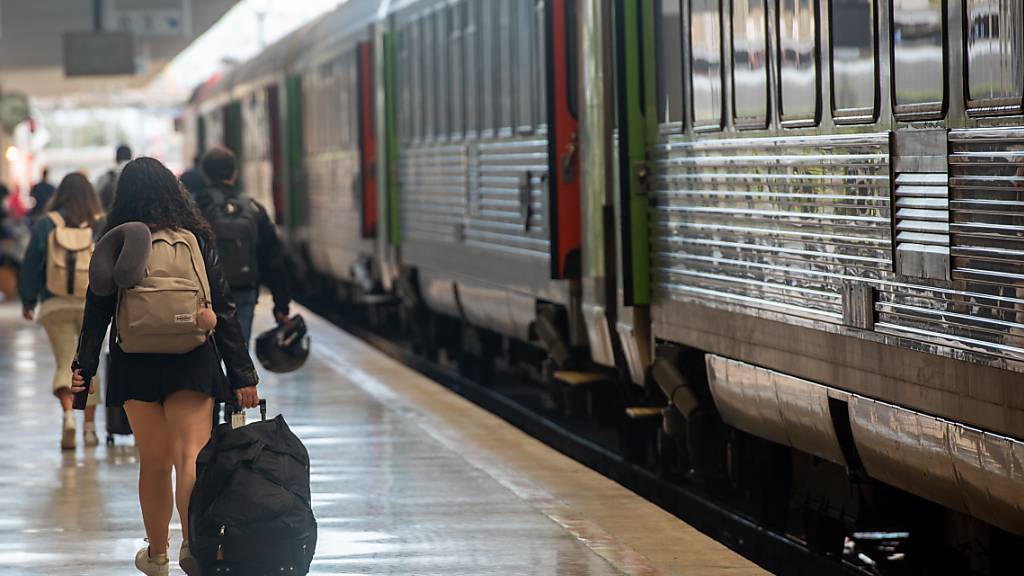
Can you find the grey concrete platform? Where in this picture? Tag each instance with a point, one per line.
(407, 479)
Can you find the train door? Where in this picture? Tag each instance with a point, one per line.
(233, 129)
(293, 155)
(563, 139)
(276, 154)
(636, 128)
(367, 142)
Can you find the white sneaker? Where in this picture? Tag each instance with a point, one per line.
(67, 436)
(151, 565)
(89, 434)
(188, 562)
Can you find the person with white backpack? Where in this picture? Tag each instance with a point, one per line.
(54, 276)
(157, 276)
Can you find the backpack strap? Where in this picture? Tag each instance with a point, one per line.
(57, 219)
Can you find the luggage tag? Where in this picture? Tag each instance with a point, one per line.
(238, 417)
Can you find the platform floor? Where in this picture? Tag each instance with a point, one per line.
(408, 479)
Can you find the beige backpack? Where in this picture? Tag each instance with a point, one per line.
(160, 313)
(68, 252)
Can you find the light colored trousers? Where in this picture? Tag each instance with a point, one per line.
(62, 320)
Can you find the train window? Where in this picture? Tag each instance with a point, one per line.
(401, 84)
(670, 72)
(430, 79)
(750, 63)
(343, 94)
(472, 55)
(489, 64)
(525, 61)
(416, 76)
(506, 72)
(854, 69)
(540, 93)
(994, 51)
(456, 85)
(441, 91)
(919, 68)
(798, 62)
(706, 63)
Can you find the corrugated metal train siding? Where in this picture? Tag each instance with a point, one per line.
(773, 223)
(985, 308)
(471, 194)
(778, 224)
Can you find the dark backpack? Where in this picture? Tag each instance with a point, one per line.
(250, 512)
(234, 223)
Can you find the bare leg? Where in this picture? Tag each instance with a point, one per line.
(66, 397)
(188, 414)
(153, 441)
(90, 414)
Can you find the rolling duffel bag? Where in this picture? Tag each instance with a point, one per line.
(250, 511)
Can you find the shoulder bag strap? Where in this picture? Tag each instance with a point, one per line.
(56, 218)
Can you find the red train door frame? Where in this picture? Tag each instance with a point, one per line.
(367, 141)
(563, 163)
(276, 152)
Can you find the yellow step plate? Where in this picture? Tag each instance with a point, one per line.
(580, 378)
(638, 412)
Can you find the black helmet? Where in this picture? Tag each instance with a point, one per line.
(285, 347)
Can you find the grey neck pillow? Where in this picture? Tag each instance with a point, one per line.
(120, 258)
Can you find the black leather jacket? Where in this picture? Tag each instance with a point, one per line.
(234, 350)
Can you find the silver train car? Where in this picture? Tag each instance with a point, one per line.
(794, 224)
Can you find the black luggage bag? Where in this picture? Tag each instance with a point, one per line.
(250, 511)
(116, 418)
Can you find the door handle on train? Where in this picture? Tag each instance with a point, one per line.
(568, 159)
(525, 198)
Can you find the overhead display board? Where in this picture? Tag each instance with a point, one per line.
(148, 17)
(99, 54)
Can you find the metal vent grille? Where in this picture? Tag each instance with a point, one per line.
(922, 225)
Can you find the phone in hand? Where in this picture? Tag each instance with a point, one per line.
(82, 398)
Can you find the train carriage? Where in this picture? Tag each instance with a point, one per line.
(841, 250)
(793, 223)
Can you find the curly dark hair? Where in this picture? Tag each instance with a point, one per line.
(148, 192)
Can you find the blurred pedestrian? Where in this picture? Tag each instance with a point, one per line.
(168, 397)
(192, 179)
(63, 235)
(246, 239)
(41, 194)
(106, 186)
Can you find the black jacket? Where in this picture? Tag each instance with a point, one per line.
(99, 310)
(273, 269)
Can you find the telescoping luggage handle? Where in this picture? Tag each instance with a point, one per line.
(238, 416)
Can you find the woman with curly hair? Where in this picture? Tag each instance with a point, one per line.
(168, 397)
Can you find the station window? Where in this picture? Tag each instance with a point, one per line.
(854, 69)
(994, 72)
(706, 63)
(798, 62)
(670, 73)
(750, 63)
(919, 66)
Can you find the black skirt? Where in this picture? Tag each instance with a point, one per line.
(154, 377)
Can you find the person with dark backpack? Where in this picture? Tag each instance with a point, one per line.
(250, 250)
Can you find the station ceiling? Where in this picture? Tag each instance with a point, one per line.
(32, 34)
